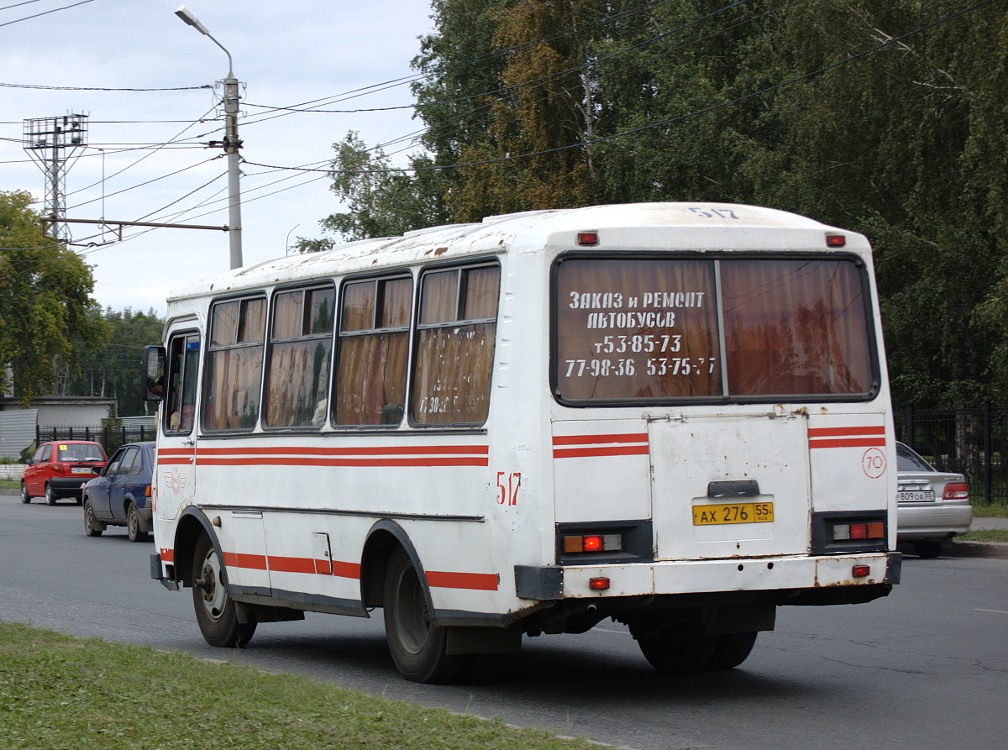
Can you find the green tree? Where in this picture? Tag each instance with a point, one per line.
(536, 150)
(47, 314)
(383, 201)
(113, 370)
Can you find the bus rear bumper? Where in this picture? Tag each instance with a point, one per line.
(798, 579)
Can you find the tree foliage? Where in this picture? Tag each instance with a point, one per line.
(47, 315)
(113, 370)
(886, 118)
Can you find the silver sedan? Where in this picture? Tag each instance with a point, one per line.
(933, 506)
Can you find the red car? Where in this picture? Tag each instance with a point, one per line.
(60, 468)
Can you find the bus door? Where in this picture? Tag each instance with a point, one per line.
(176, 450)
(730, 486)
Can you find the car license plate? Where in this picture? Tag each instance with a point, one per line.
(714, 515)
(915, 496)
(80, 470)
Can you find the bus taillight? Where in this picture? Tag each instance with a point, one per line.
(592, 543)
(846, 531)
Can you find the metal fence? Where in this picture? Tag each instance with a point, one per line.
(110, 437)
(969, 440)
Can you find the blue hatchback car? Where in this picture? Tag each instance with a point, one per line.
(120, 495)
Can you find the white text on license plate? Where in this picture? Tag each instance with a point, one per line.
(712, 515)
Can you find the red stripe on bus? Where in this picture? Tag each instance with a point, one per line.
(167, 555)
(345, 569)
(473, 581)
(308, 565)
(868, 442)
(637, 437)
(819, 432)
(363, 462)
(245, 560)
(291, 564)
(392, 450)
(613, 450)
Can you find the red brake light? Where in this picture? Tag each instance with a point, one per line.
(598, 584)
(589, 239)
(861, 571)
(591, 543)
(835, 240)
(956, 491)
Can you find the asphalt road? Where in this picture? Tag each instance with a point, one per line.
(925, 668)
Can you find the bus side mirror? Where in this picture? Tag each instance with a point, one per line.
(153, 375)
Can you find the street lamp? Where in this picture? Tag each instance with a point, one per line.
(231, 142)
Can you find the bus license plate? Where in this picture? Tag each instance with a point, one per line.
(713, 515)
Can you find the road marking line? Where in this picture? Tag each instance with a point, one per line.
(993, 611)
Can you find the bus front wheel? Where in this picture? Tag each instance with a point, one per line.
(416, 643)
(215, 610)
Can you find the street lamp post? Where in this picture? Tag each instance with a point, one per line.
(231, 142)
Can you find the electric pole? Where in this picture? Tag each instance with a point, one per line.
(51, 142)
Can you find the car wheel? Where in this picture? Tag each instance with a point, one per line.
(91, 527)
(133, 525)
(927, 549)
(50, 496)
(215, 610)
(25, 497)
(417, 644)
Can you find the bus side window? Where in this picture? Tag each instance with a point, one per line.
(370, 386)
(299, 355)
(234, 365)
(455, 345)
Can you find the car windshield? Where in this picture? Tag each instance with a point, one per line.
(80, 452)
(907, 460)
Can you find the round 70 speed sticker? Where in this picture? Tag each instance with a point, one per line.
(873, 463)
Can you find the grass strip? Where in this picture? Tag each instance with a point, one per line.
(62, 692)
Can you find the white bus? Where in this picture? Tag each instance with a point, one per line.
(674, 415)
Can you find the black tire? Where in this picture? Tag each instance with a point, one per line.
(678, 648)
(215, 610)
(133, 525)
(731, 650)
(25, 497)
(928, 549)
(416, 643)
(50, 496)
(91, 526)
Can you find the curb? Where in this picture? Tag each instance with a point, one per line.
(979, 549)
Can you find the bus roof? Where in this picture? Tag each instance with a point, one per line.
(530, 230)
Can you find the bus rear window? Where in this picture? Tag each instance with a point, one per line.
(649, 329)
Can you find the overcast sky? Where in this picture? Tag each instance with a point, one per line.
(58, 56)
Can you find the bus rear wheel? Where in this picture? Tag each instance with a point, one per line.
(416, 643)
(732, 649)
(215, 610)
(677, 648)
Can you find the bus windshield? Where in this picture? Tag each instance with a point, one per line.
(745, 329)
